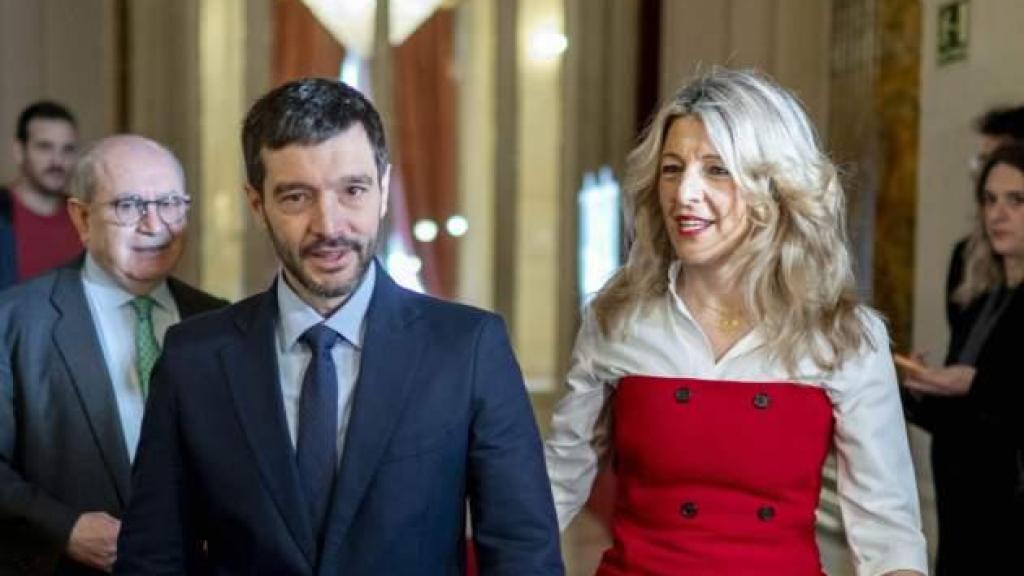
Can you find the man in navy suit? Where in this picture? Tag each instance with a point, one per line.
(337, 423)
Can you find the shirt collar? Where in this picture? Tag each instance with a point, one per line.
(748, 342)
(673, 274)
(110, 294)
(296, 316)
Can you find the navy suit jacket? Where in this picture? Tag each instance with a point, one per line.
(440, 416)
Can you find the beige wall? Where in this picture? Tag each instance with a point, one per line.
(222, 105)
(788, 39)
(194, 67)
(59, 49)
(162, 99)
(475, 59)
(952, 96)
(539, 176)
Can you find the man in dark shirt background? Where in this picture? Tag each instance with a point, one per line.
(36, 233)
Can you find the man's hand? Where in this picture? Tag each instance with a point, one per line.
(952, 380)
(93, 540)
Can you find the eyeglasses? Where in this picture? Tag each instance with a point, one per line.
(128, 210)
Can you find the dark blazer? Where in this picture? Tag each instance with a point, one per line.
(976, 442)
(998, 388)
(440, 416)
(8, 242)
(62, 451)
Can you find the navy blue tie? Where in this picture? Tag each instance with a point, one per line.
(316, 448)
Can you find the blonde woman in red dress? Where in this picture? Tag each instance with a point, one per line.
(717, 368)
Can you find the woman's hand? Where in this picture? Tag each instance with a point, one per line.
(952, 380)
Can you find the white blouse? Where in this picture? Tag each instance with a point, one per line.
(876, 482)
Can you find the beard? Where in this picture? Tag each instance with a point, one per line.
(292, 262)
(44, 181)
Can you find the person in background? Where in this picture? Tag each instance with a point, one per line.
(973, 405)
(995, 128)
(76, 351)
(36, 233)
(722, 362)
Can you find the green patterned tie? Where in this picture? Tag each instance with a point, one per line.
(146, 348)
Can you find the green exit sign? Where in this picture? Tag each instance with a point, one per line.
(954, 21)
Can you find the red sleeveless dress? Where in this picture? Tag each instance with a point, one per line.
(717, 478)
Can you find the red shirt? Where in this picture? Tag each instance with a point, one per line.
(43, 242)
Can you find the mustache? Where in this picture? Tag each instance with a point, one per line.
(346, 242)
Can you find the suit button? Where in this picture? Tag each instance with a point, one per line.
(683, 395)
(688, 509)
(765, 513)
(761, 401)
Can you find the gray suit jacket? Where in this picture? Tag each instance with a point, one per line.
(62, 451)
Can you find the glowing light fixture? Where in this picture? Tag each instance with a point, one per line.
(425, 230)
(547, 44)
(457, 225)
(351, 21)
(403, 267)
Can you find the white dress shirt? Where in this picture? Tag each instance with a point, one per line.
(293, 356)
(876, 483)
(114, 318)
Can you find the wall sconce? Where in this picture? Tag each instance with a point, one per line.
(457, 226)
(425, 230)
(546, 44)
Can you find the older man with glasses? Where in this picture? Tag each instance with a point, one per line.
(78, 345)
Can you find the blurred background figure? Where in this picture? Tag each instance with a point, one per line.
(972, 406)
(36, 233)
(997, 127)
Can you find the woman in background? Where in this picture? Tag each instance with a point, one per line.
(973, 406)
(717, 368)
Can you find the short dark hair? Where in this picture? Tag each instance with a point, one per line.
(43, 109)
(1003, 122)
(306, 112)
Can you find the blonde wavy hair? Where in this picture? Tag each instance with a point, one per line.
(983, 268)
(794, 267)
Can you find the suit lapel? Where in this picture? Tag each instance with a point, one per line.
(381, 391)
(75, 337)
(181, 293)
(191, 301)
(250, 365)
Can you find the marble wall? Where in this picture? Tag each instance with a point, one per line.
(66, 50)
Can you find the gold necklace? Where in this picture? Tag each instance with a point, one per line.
(728, 321)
